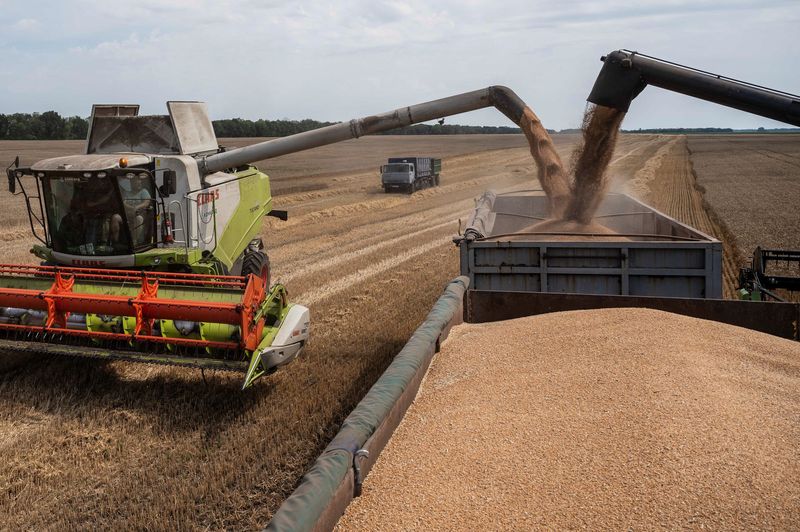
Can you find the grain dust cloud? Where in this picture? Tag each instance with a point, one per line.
(574, 202)
(550, 168)
(590, 183)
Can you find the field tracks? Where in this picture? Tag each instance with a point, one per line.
(340, 285)
(668, 182)
(332, 262)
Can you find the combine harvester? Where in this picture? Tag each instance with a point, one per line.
(145, 257)
(149, 241)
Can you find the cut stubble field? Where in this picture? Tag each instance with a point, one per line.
(118, 445)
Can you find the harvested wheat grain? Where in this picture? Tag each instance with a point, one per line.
(551, 173)
(617, 418)
(600, 131)
(568, 231)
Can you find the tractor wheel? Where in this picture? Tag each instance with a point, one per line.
(257, 263)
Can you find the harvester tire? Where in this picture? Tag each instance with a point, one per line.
(436, 180)
(257, 263)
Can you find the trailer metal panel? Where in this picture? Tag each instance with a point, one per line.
(779, 319)
(652, 255)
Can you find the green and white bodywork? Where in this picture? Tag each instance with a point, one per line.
(137, 200)
(213, 217)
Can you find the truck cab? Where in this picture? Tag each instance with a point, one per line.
(397, 176)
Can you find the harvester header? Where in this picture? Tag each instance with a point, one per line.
(169, 318)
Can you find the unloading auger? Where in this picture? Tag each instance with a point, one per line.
(149, 241)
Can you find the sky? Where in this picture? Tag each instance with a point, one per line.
(335, 61)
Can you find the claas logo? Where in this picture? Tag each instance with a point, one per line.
(207, 197)
(84, 262)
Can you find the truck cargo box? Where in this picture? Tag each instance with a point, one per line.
(651, 254)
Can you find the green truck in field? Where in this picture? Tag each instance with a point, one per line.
(408, 174)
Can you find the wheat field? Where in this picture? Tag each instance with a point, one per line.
(92, 444)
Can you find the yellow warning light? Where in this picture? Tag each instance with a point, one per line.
(123, 162)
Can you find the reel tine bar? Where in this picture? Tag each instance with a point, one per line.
(61, 299)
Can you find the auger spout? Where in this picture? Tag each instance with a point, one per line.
(551, 172)
(626, 73)
(502, 98)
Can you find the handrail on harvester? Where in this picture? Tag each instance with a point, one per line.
(232, 281)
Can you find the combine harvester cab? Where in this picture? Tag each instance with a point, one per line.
(144, 257)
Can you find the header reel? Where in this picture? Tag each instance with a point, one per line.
(218, 322)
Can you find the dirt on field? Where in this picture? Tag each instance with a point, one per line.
(751, 186)
(120, 445)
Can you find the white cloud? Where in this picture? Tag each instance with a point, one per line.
(26, 24)
(334, 61)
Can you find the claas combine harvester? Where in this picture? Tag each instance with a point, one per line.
(146, 258)
(149, 241)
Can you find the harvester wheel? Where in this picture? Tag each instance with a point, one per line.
(436, 180)
(257, 263)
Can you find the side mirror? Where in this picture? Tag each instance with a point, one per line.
(170, 183)
(12, 175)
(12, 181)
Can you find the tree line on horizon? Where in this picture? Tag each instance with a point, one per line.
(52, 126)
(42, 126)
